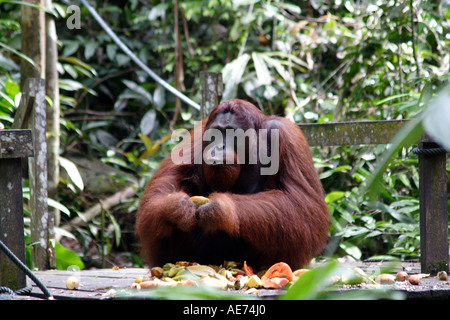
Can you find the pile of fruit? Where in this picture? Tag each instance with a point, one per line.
(233, 275)
(229, 275)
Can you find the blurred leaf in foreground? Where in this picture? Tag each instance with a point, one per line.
(433, 120)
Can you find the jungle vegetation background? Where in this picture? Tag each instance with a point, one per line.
(311, 61)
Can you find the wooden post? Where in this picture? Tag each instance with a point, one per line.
(33, 116)
(211, 89)
(14, 145)
(434, 245)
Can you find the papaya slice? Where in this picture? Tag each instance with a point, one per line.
(199, 200)
(248, 270)
(274, 283)
(277, 276)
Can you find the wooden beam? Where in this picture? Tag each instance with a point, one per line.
(351, 133)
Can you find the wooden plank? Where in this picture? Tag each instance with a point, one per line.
(94, 284)
(351, 133)
(211, 90)
(16, 144)
(434, 244)
(11, 222)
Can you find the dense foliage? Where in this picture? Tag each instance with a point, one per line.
(316, 61)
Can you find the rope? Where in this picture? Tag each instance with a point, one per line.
(429, 151)
(128, 52)
(20, 292)
(27, 271)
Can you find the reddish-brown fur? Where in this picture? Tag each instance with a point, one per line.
(284, 218)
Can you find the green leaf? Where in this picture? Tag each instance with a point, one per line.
(64, 233)
(9, 100)
(116, 227)
(111, 50)
(147, 142)
(238, 3)
(122, 59)
(72, 171)
(157, 11)
(78, 62)
(70, 47)
(262, 72)
(333, 196)
(148, 122)
(383, 257)
(351, 249)
(313, 283)
(232, 75)
(181, 293)
(436, 122)
(66, 258)
(12, 88)
(408, 135)
(159, 97)
(57, 205)
(142, 94)
(32, 5)
(447, 13)
(436, 114)
(24, 57)
(401, 217)
(70, 85)
(277, 64)
(394, 97)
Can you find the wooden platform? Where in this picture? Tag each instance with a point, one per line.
(94, 284)
(102, 284)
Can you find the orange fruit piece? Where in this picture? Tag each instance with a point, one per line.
(277, 276)
(248, 270)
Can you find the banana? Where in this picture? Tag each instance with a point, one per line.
(174, 270)
(168, 266)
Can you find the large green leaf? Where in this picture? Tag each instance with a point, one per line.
(262, 71)
(313, 283)
(72, 171)
(24, 57)
(232, 75)
(66, 258)
(436, 122)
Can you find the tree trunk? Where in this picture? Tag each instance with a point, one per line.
(33, 41)
(53, 111)
(178, 69)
